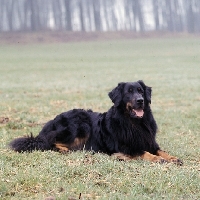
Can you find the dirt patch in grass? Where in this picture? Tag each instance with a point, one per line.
(65, 36)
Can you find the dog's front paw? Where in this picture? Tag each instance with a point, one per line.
(176, 161)
(121, 156)
(169, 158)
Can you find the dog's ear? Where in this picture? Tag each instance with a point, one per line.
(116, 94)
(147, 91)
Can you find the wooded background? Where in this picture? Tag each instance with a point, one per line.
(100, 15)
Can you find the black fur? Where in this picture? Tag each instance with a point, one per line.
(127, 127)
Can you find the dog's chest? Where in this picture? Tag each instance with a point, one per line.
(136, 137)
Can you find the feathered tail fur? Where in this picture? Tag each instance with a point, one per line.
(29, 144)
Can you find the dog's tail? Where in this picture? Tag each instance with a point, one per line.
(29, 144)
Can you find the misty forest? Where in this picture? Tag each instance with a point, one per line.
(100, 15)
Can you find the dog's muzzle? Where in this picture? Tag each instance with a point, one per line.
(134, 112)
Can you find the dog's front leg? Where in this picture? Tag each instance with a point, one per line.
(152, 158)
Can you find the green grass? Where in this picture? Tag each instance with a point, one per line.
(42, 80)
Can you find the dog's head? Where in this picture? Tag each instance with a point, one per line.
(132, 97)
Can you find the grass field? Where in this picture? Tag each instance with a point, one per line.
(39, 81)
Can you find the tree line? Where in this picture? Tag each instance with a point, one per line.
(100, 15)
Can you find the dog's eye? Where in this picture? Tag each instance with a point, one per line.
(139, 90)
(130, 90)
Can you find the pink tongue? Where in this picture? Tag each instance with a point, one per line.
(139, 113)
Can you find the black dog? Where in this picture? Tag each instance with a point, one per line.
(127, 130)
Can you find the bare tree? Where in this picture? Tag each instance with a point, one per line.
(178, 13)
(9, 12)
(169, 15)
(138, 17)
(81, 8)
(2, 8)
(57, 14)
(112, 18)
(197, 20)
(104, 11)
(190, 18)
(34, 12)
(156, 14)
(97, 15)
(68, 15)
(20, 12)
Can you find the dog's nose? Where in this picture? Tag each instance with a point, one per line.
(140, 100)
